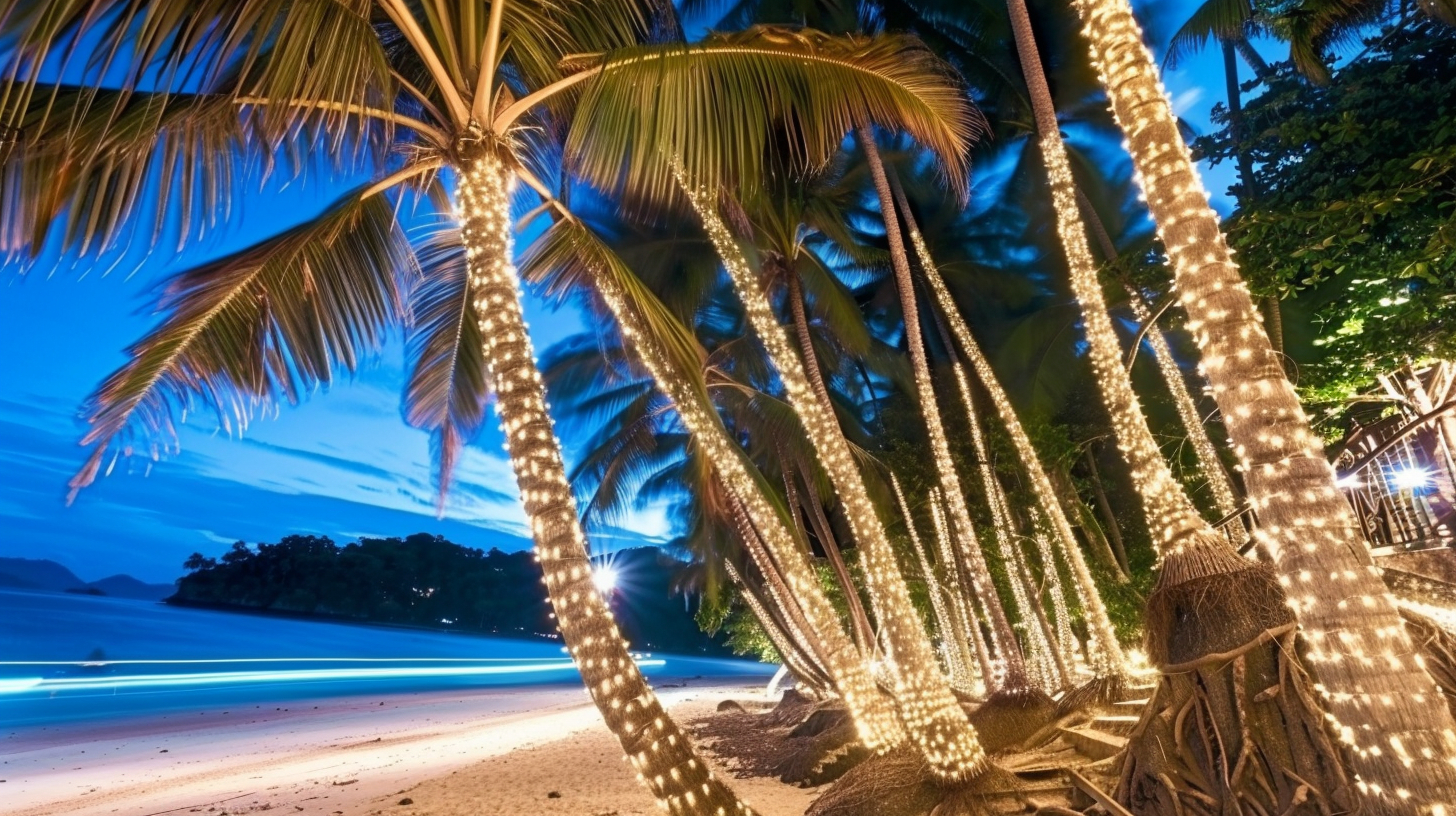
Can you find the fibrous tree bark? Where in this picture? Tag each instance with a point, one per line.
(1374, 690)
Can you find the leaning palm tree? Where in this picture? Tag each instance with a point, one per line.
(1374, 688)
(448, 105)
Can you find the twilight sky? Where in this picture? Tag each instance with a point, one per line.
(342, 464)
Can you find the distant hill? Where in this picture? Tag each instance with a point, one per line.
(42, 573)
(125, 586)
(427, 581)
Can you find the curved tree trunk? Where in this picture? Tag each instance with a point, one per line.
(1104, 652)
(954, 647)
(969, 549)
(864, 633)
(1218, 478)
(932, 717)
(875, 720)
(1376, 692)
(1209, 601)
(660, 752)
(777, 610)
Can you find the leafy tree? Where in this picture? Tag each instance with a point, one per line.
(1356, 222)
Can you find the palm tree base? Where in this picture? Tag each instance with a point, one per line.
(1234, 725)
(901, 783)
(1010, 717)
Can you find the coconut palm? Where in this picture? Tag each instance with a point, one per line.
(166, 104)
(1355, 639)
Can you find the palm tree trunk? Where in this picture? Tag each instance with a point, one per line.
(660, 752)
(875, 721)
(1208, 459)
(1104, 507)
(805, 670)
(782, 599)
(962, 598)
(1375, 689)
(1209, 602)
(864, 633)
(1273, 321)
(932, 717)
(968, 547)
(1105, 652)
(952, 637)
(778, 598)
(1057, 644)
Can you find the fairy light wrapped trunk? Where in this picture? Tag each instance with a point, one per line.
(661, 754)
(1105, 654)
(959, 663)
(875, 721)
(1233, 697)
(1378, 698)
(968, 547)
(929, 712)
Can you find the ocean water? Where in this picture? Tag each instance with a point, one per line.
(65, 658)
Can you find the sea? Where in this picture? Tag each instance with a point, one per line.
(68, 658)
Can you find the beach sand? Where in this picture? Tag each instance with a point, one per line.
(498, 752)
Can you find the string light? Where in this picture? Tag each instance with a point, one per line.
(928, 709)
(876, 723)
(662, 755)
(1218, 479)
(952, 638)
(1104, 650)
(1053, 666)
(1378, 697)
(993, 670)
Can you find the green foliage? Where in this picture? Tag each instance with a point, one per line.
(1355, 216)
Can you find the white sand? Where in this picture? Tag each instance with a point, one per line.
(495, 751)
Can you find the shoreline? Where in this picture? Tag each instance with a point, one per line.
(480, 751)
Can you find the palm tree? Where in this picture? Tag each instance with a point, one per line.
(569, 251)
(1375, 689)
(448, 104)
(933, 718)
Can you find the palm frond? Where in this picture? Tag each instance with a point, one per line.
(718, 106)
(93, 166)
(286, 51)
(263, 324)
(1214, 19)
(446, 391)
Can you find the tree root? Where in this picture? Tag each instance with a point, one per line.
(1233, 726)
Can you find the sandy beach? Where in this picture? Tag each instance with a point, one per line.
(498, 751)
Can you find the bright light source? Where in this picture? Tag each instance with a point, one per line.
(1349, 481)
(1410, 478)
(605, 578)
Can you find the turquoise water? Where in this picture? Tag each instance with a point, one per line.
(77, 657)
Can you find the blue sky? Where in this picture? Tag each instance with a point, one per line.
(342, 464)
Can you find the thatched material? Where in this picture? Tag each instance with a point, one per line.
(1233, 726)
(900, 783)
(799, 741)
(1009, 717)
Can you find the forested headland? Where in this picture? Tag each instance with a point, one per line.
(426, 581)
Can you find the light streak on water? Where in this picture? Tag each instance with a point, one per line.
(20, 685)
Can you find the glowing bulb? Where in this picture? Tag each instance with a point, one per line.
(1410, 478)
(605, 579)
(1349, 481)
